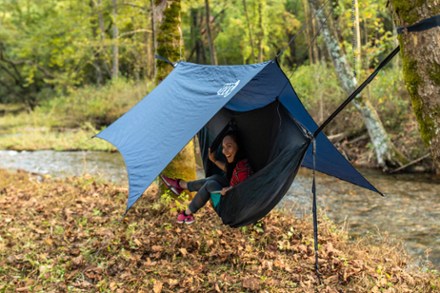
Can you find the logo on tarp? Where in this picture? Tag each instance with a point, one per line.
(227, 88)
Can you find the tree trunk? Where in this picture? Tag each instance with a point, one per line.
(168, 45)
(386, 153)
(197, 16)
(168, 36)
(308, 30)
(262, 34)
(95, 28)
(208, 30)
(251, 39)
(421, 69)
(357, 46)
(315, 46)
(152, 64)
(103, 54)
(115, 36)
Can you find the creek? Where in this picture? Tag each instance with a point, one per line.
(409, 213)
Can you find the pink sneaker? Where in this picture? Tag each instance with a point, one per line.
(172, 184)
(182, 218)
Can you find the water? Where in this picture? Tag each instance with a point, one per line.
(409, 213)
(61, 164)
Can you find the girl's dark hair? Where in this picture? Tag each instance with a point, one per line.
(240, 155)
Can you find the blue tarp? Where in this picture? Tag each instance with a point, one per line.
(153, 132)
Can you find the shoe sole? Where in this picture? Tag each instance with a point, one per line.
(182, 222)
(173, 190)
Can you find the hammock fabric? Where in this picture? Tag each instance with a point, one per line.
(275, 145)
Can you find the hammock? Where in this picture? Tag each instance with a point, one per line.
(275, 145)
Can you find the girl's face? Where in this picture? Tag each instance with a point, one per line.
(230, 148)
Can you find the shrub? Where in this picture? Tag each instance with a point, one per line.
(97, 105)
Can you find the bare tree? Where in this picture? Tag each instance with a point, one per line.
(153, 37)
(115, 37)
(386, 153)
(208, 30)
(262, 32)
(251, 39)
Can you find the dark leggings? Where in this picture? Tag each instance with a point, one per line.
(204, 187)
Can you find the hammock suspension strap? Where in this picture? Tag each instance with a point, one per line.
(422, 25)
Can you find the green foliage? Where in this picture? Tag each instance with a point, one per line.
(96, 105)
(376, 30)
(56, 58)
(50, 47)
(169, 200)
(318, 88)
(390, 97)
(270, 25)
(68, 122)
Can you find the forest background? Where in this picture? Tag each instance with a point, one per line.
(70, 68)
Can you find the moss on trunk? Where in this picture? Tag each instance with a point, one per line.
(183, 165)
(421, 70)
(168, 39)
(413, 81)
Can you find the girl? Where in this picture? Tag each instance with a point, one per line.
(236, 169)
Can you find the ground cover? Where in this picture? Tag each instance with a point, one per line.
(59, 235)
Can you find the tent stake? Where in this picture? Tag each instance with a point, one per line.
(315, 214)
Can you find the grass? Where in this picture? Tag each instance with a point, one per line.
(69, 122)
(67, 235)
(41, 138)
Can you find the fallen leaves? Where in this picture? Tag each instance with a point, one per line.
(60, 234)
(251, 283)
(157, 288)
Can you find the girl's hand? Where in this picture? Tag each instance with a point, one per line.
(224, 190)
(211, 155)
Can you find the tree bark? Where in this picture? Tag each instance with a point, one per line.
(421, 68)
(196, 37)
(251, 38)
(357, 46)
(262, 32)
(115, 37)
(386, 153)
(168, 35)
(208, 30)
(102, 53)
(309, 29)
(153, 72)
(315, 47)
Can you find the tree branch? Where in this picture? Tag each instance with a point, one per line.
(410, 163)
(134, 32)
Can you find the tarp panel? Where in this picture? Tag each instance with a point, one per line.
(328, 159)
(151, 134)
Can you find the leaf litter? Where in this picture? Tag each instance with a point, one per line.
(59, 235)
